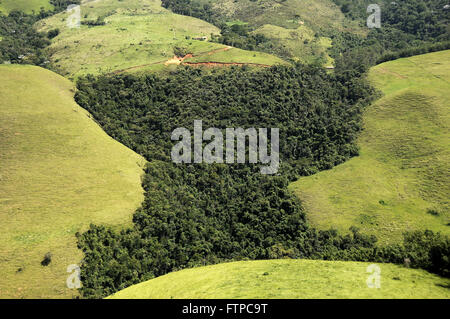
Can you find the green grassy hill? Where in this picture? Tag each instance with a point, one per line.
(138, 35)
(401, 179)
(317, 14)
(296, 279)
(298, 29)
(235, 55)
(27, 6)
(59, 172)
(302, 43)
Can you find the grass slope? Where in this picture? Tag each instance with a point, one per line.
(235, 55)
(302, 43)
(27, 6)
(404, 164)
(59, 172)
(289, 279)
(296, 28)
(318, 14)
(138, 34)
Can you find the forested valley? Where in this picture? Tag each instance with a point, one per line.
(198, 214)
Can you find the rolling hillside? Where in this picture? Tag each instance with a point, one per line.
(27, 6)
(317, 14)
(291, 279)
(137, 35)
(297, 29)
(59, 172)
(401, 180)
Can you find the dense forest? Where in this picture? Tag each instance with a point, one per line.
(61, 5)
(426, 20)
(20, 42)
(406, 27)
(198, 214)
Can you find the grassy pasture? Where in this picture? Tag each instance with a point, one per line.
(59, 172)
(27, 6)
(291, 279)
(235, 55)
(401, 180)
(136, 34)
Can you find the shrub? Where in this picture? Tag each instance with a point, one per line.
(47, 259)
(52, 33)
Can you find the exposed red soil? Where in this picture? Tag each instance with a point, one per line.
(180, 60)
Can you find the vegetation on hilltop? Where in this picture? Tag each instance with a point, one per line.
(61, 5)
(426, 20)
(297, 30)
(317, 40)
(282, 29)
(135, 35)
(407, 27)
(20, 42)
